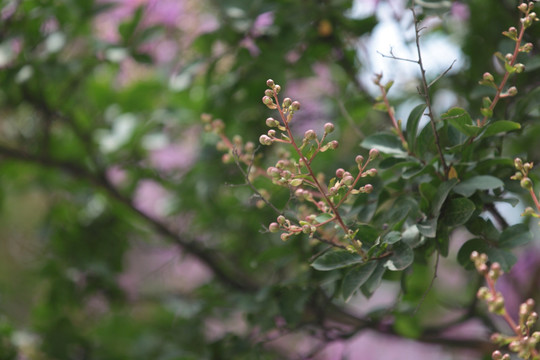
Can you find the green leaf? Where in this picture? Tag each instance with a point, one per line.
(407, 325)
(401, 258)
(323, 217)
(412, 125)
(355, 278)
(411, 236)
(336, 260)
(458, 211)
(500, 127)
(392, 237)
(461, 120)
(373, 282)
(428, 228)
(385, 143)
(483, 228)
(440, 196)
(515, 235)
(481, 182)
(504, 257)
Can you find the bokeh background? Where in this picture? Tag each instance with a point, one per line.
(124, 236)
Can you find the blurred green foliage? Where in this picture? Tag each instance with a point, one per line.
(81, 114)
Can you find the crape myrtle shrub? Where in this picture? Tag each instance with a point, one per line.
(128, 234)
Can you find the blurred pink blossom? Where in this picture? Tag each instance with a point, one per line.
(460, 11)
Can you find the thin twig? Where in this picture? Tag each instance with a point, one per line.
(425, 94)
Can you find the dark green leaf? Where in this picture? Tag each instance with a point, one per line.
(392, 237)
(428, 228)
(385, 143)
(515, 235)
(481, 182)
(412, 125)
(336, 259)
(371, 284)
(501, 126)
(440, 196)
(401, 258)
(461, 120)
(458, 211)
(355, 278)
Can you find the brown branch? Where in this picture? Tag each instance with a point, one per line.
(226, 273)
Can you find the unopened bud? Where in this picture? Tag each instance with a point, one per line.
(526, 48)
(268, 93)
(286, 103)
(285, 236)
(271, 122)
(295, 105)
(306, 229)
(523, 7)
(281, 220)
(496, 355)
(373, 153)
(488, 77)
(310, 135)
(513, 90)
(368, 188)
(348, 180)
(277, 89)
(328, 128)
(218, 126)
(265, 140)
(270, 83)
(339, 173)
(372, 172)
(509, 57)
(359, 159)
(267, 100)
(526, 183)
(334, 144)
(273, 172)
(273, 227)
(518, 163)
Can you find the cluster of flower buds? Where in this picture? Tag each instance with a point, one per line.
(232, 148)
(524, 342)
(522, 174)
(509, 62)
(307, 226)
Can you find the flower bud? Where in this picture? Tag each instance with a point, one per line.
(334, 144)
(265, 140)
(218, 126)
(368, 188)
(277, 89)
(310, 135)
(526, 48)
(270, 83)
(348, 180)
(271, 122)
(518, 163)
(496, 355)
(249, 147)
(512, 91)
(273, 227)
(523, 7)
(519, 67)
(306, 229)
(328, 128)
(528, 166)
(268, 93)
(526, 183)
(286, 103)
(281, 220)
(372, 172)
(271, 133)
(509, 57)
(488, 77)
(227, 158)
(295, 105)
(285, 236)
(339, 173)
(273, 172)
(373, 153)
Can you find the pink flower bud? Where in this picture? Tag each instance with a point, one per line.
(328, 128)
(295, 105)
(273, 227)
(373, 153)
(270, 83)
(310, 135)
(339, 173)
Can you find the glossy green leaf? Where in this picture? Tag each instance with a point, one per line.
(412, 125)
(461, 120)
(501, 126)
(355, 278)
(374, 280)
(392, 237)
(515, 235)
(385, 143)
(458, 211)
(440, 196)
(481, 182)
(428, 228)
(336, 259)
(401, 258)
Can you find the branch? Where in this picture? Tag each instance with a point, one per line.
(226, 273)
